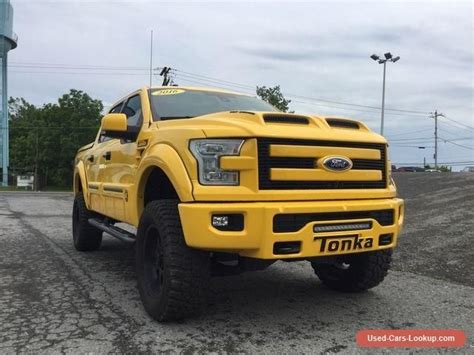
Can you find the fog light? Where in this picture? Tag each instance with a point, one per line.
(228, 222)
(220, 221)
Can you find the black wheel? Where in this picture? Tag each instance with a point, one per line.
(355, 272)
(173, 279)
(85, 236)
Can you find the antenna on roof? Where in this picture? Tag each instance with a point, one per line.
(151, 57)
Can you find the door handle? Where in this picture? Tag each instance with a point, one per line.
(90, 158)
(107, 155)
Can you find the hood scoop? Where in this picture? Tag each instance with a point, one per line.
(342, 123)
(292, 119)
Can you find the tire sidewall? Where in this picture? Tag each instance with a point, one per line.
(154, 303)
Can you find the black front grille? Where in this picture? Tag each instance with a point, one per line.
(266, 163)
(293, 222)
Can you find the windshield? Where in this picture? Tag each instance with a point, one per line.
(182, 103)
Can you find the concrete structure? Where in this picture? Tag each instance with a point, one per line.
(8, 41)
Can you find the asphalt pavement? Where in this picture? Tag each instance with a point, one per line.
(54, 299)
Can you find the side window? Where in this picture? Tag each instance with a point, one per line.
(133, 110)
(116, 108)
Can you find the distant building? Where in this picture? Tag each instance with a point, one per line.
(8, 41)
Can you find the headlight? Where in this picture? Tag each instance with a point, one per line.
(208, 152)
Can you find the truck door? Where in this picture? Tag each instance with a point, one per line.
(120, 163)
(94, 164)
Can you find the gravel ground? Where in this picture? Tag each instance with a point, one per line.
(56, 300)
(439, 226)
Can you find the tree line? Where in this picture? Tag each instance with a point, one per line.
(44, 140)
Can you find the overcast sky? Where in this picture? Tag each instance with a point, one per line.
(318, 50)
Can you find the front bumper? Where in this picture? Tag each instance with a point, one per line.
(258, 237)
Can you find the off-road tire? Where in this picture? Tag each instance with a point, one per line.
(85, 236)
(366, 270)
(173, 279)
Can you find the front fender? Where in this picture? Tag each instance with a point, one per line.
(168, 160)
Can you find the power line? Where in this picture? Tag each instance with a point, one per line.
(447, 131)
(208, 78)
(75, 73)
(459, 123)
(189, 76)
(228, 86)
(410, 139)
(67, 66)
(459, 145)
(457, 139)
(410, 132)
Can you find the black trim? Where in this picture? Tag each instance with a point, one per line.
(334, 122)
(293, 222)
(285, 248)
(266, 163)
(93, 186)
(285, 119)
(385, 239)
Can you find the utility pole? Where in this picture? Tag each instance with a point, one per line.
(436, 139)
(35, 181)
(435, 116)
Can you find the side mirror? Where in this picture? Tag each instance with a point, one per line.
(114, 125)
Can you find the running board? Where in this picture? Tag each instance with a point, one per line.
(114, 231)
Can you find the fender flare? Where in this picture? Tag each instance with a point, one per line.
(164, 157)
(80, 173)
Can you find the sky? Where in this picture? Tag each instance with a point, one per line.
(318, 52)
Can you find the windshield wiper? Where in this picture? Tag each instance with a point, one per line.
(175, 117)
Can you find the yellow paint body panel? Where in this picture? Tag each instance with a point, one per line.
(112, 175)
(323, 175)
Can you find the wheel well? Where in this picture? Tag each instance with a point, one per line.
(158, 187)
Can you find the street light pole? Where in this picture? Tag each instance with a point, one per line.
(383, 98)
(388, 58)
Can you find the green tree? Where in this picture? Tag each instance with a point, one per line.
(48, 137)
(274, 97)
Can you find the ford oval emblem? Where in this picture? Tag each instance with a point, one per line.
(337, 164)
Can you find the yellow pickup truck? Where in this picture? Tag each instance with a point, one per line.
(217, 183)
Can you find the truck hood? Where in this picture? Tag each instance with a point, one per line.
(278, 125)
